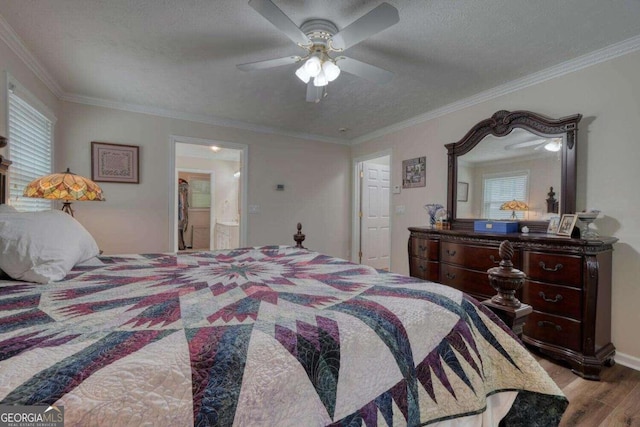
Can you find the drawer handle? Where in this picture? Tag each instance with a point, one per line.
(422, 248)
(451, 253)
(542, 323)
(422, 267)
(545, 268)
(558, 297)
(494, 260)
(450, 276)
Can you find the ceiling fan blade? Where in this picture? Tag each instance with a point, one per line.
(525, 144)
(273, 14)
(362, 69)
(314, 93)
(269, 63)
(380, 18)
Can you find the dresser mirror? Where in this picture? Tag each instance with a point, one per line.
(513, 155)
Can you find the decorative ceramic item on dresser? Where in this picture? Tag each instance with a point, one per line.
(584, 220)
(433, 209)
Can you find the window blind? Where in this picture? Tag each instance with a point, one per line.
(500, 189)
(30, 136)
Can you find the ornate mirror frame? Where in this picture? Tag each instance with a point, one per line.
(501, 124)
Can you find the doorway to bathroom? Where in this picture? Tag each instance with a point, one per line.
(209, 194)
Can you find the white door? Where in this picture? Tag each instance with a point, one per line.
(375, 215)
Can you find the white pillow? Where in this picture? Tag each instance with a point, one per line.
(42, 246)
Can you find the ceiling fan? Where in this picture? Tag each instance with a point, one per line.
(321, 39)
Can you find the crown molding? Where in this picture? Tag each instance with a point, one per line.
(15, 43)
(198, 118)
(584, 61)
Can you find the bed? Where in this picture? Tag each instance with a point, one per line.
(262, 336)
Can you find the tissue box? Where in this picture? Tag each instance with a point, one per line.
(501, 227)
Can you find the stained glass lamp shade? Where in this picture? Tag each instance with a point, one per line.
(64, 186)
(513, 206)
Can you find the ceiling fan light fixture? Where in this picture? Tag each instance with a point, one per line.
(303, 74)
(313, 66)
(331, 70)
(320, 80)
(554, 145)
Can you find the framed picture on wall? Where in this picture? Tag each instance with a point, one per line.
(414, 172)
(114, 163)
(463, 191)
(567, 223)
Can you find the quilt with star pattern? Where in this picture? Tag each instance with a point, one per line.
(266, 336)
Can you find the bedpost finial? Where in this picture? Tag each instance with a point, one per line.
(505, 251)
(299, 237)
(505, 279)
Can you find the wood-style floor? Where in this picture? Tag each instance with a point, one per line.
(612, 401)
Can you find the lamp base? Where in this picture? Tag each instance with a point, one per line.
(66, 207)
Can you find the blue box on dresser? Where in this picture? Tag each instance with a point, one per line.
(501, 227)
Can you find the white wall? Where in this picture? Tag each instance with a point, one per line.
(135, 217)
(608, 96)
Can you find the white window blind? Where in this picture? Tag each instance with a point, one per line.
(30, 145)
(502, 188)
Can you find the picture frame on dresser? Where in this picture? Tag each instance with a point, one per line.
(554, 223)
(566, 225)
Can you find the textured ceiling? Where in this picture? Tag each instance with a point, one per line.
(181, 55)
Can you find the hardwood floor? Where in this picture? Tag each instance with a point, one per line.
(612, 401)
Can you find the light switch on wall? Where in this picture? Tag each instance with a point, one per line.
(400, 209)
(396, 189)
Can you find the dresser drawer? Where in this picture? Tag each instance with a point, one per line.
(425, 248)
(472, 282)
(553, 299)
(473, 257)
(561, 269)
(556, 330)
(424, 269)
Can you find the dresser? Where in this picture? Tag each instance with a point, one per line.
(568, 285)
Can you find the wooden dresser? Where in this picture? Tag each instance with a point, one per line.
(568, 285)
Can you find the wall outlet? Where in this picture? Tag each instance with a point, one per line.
(400, 209)
(253, 209)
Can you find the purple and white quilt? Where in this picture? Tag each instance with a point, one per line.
(267, 336)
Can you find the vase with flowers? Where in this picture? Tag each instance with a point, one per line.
(432, 209)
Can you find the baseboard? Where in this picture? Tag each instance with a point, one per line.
(628, 361)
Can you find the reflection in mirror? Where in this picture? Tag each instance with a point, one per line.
(513, 155)
(520, 166)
